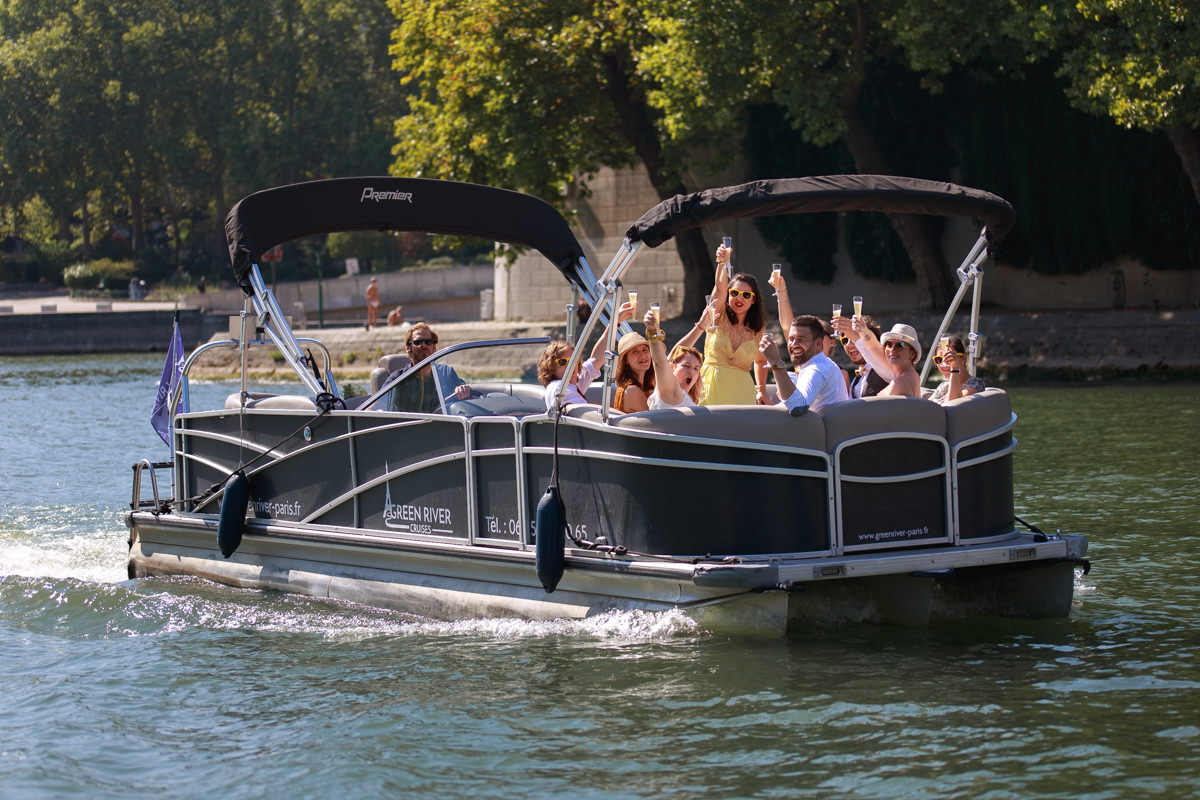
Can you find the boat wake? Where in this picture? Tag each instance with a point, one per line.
(63, 542)
(61, 600)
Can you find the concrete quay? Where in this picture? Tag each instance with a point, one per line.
(58, 324)
(1073, 345)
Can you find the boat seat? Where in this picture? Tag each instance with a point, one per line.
(874, 415)
(529, 390)
(760, 424)
(976, 414)
(497, 404)
(274, 401)
(386, 366)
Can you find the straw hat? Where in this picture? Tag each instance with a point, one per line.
(903, 333)
(630, 341)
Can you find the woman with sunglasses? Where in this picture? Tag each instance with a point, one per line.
(731, 348)
(894, 355)
(951, 361)
(552, 366)
(677, 378)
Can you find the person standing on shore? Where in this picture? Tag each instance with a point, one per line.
(373, 303)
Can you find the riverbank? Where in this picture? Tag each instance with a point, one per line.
(1067, 345)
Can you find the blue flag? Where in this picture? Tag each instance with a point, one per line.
(172, 374)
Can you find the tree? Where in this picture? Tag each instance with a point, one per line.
(535, 96)
(812, 59)
(1139, 63)
(132, 112)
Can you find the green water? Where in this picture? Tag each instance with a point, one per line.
(176, 688)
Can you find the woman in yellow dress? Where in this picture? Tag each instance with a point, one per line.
(728, 375)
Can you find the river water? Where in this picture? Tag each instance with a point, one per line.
(178, 688)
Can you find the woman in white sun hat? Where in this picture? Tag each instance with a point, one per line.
(894, 355)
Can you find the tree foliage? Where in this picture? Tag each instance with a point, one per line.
(145, 116)
(134, 124)
(537, 96)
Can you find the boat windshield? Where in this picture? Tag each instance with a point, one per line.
(455, 377)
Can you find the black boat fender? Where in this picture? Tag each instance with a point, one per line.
(551, 538)
(233, 513)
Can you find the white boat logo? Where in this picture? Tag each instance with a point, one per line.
(369, 193)
(413, 518)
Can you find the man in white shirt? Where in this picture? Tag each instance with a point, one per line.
(817, 381)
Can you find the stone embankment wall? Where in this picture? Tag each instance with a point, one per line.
(101, 331)
(451, 294)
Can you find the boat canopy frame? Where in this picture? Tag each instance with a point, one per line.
(270, 217)
(264, 219)
(835, 193)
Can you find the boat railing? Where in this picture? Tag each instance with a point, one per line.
(970, 273)
(181, 390)
(136, 503)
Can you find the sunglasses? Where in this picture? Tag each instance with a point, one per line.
(423, 342)
(749, 295)
(939, 359)
(561, 361)
(893, 343)
(679, 351)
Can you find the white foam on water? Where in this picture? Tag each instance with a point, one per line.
(63, 542)
(637, 625)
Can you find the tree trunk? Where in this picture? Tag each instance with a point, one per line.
(634, 116)
(934, 277)
(137, 221)
(1187, 145)
(85, 233)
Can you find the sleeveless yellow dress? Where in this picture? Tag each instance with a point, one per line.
(726, 373)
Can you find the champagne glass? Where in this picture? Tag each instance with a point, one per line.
(712, 314)
(837, 312)
(776, 271)
(654, 310)
(857, 305)
(633, 299)
(728, 242)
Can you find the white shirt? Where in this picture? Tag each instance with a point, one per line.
(656, 401)
(819, 384)
(574, 394)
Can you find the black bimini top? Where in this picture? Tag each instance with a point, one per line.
(264, 219)
(773, 197)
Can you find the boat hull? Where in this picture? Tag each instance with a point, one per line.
(768, 599)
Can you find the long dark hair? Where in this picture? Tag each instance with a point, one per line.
(626, 375)
(755, 318)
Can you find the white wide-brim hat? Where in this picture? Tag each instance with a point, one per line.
(903, 333)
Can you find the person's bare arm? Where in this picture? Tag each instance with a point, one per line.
(665, 384)
(623, 313)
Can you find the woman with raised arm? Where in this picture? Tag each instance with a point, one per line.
(677, 377)
(733, 367)
(894, 355)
